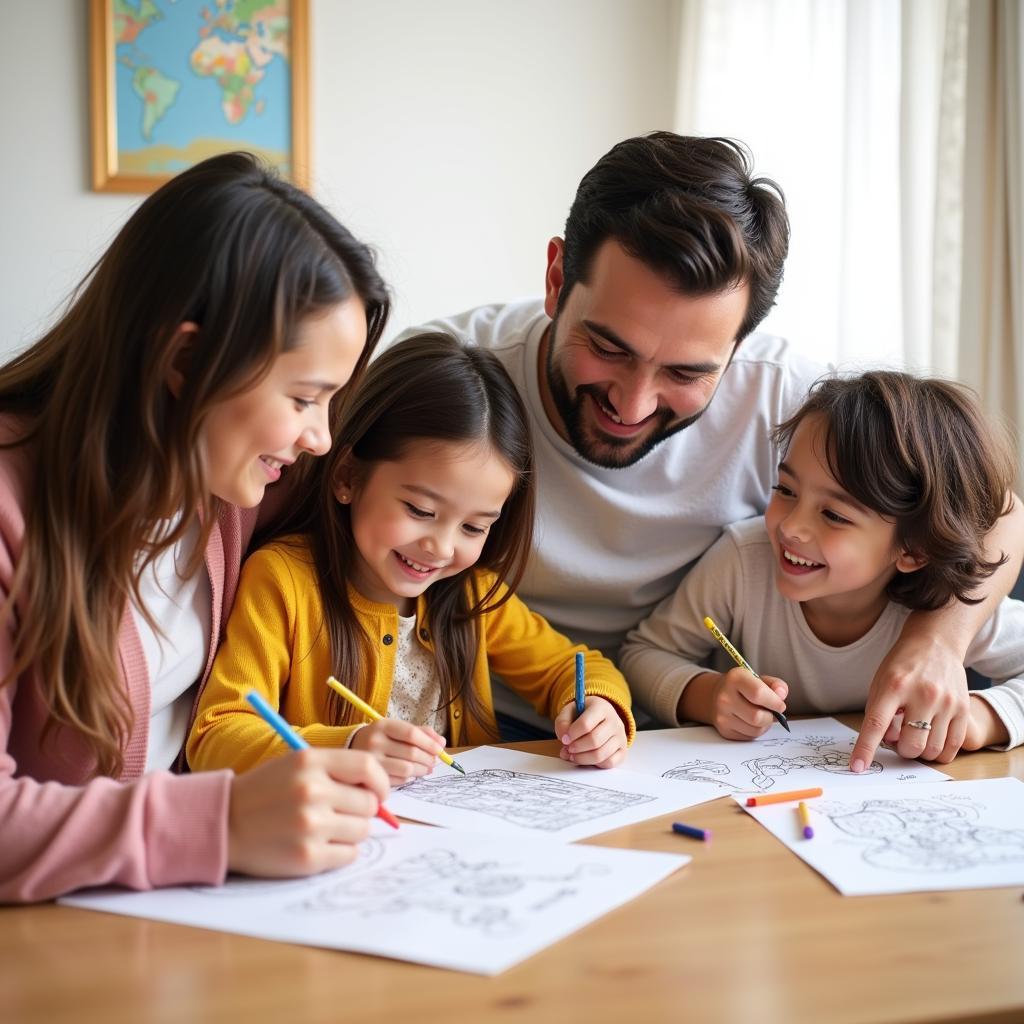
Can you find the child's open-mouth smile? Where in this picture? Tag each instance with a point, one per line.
(796, 565)
(416, 570)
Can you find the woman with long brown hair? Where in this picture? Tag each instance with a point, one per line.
(195, 363)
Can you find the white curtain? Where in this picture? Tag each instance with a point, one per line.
(991, 338)
(895, 129)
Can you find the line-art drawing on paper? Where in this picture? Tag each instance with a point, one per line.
(810, 740)
(765, 770)
(530, 801)
(762, 771)
(915, 834)
(701, 771)
(491, 898)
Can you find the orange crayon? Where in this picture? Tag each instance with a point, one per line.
(781, 798)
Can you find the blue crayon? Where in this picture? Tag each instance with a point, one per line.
(580, 693)
(690, 830)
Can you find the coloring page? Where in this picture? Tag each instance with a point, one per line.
(885, 839)
(815, 753)
(507, 792)
(428, 895)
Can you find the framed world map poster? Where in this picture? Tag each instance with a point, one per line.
(176, 81)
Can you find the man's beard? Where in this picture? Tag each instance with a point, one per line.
(608, 452)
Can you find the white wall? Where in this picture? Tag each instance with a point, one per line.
(450, 134)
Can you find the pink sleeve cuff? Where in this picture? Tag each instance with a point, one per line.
(187, 828)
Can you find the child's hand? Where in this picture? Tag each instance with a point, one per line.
(404, 750)
(739, 700)
(984, 726)
(597, 737)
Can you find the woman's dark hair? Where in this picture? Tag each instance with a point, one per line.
(429, 388)
(230, 247)
(920, 453)
(689, 209)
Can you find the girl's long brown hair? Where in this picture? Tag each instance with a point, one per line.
(226, 245)
(428, 388)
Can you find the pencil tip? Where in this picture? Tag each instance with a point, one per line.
(458, 767)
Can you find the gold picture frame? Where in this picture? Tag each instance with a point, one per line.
(223, 72)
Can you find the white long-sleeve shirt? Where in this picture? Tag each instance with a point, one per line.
(734, 585)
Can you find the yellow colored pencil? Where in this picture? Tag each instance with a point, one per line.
(375, 716)
(742, 662)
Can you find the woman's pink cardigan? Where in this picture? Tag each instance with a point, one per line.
(61, 827)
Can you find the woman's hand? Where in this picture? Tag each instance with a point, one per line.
(303, 813)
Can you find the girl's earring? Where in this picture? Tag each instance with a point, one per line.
(344, 497)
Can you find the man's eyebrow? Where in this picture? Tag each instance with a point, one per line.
(831, 492)
(605, 332)
(426, 492)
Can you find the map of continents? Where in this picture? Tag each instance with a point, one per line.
(198, 77)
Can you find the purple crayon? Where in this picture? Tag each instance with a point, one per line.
(805, 819)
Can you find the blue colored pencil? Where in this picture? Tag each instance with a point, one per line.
(691, 830)
(296, 742)
(276, 722)
(580, 690)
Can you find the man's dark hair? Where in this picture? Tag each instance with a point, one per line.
(689, 209)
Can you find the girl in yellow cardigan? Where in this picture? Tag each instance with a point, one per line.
(400, 581)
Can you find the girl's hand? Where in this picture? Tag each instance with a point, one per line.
(984, 727)
(597, 737)
(739, 700)
(302, 813)
(405, 751)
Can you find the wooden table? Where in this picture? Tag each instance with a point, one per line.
(746, 932)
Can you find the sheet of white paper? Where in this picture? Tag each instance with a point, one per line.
(815, 753)
(929, 837)
(508, 792)
(432, 896)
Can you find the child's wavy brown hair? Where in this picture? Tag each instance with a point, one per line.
(920, 453)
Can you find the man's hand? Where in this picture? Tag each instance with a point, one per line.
(923, 679)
